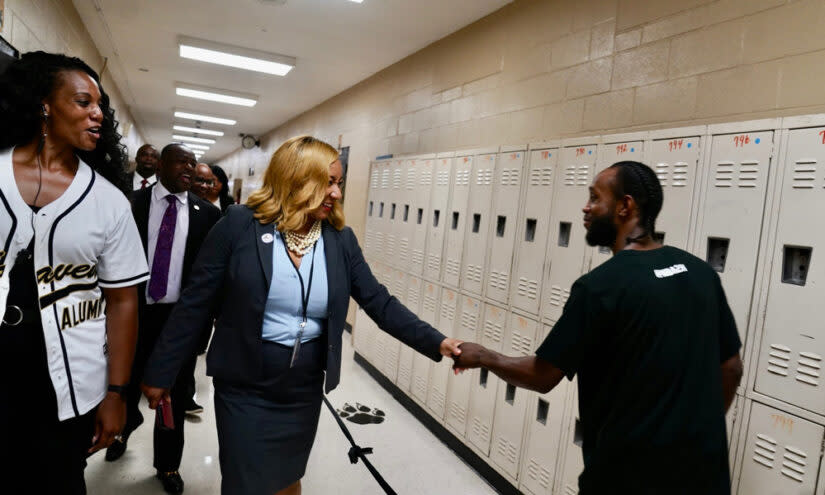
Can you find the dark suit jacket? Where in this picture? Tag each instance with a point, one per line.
(232, 277)
(202, 216)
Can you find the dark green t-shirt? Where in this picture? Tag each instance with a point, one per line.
(646, 333)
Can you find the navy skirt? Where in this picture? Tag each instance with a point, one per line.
(266, 429)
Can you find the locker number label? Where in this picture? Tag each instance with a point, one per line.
(621, 148)
(741, 140)
(675, 144)
(822, 135)
(782, 422)
(579, 151)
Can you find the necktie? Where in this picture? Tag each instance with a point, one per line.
(143, 183)
(163, 251)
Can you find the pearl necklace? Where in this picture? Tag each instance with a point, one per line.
(301, 244)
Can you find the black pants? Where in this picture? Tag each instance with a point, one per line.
(168, 444)
(37, 449)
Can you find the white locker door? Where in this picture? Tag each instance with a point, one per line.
(438, 218)
(609, 154)
(454, 243)
(478, 223)
(440, 372)
(372, 212)
(361, 337)
(732, 217)
(405, 225)
(421, 214)
(422, 364)
(543, 445)
(676, 163)
(398, 288)
(533, 227)
(383, 212)
(566, 246)
(407, 355)
(573, 463)
(790, 361)
(485, 384)
(393, 213)
(511, 408)
(782, 453)
(506, 193)
(458, 386)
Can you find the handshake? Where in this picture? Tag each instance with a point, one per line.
(465, 355)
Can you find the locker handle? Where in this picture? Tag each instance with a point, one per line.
(406, 213)
(795, 263)
(510, 394)
(455, 220)
(530, 230)
(436, 215)
(564, 233)
(392, 212)
(718, 253)
(482, 377)
(501, 225)
(370, 210)
(542, 410)
(476, 222)
(381, 210)
(420, 215)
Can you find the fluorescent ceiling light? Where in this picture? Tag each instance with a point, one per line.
(219, 95)
(356, 1)
(182, 114)
(197, 130)
(235, 56)
(197, 147)
(191, 139)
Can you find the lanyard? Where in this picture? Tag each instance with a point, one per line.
(304, 298)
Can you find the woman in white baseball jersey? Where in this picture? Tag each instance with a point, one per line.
(70, 258)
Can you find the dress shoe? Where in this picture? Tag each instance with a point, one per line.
(118, 447)
(193, 407)
(171, 480)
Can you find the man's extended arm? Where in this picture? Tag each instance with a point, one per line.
(528, 372)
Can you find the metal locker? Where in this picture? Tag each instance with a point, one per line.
(382, 222)
(439, 217)
(566, 247)
(405, 216)
(458, 386)
(392, 347)
(609, 153)
(422, 364)
(373, 198)
(506, 194)
(478, 223)
(511, 408)
(533, 227)
(454, 242)
(782, 453)
(485, 384)
(573, 462)
(407, 355)
(543, 447)
(361, 334)
(793, 342)
(676, 163)
(419, 214)
(390, 213)
(732, 214)
(440, 372)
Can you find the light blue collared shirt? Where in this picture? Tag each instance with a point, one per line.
(284, 308)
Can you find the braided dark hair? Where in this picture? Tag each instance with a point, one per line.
(221, 176)
(640, 182)
(27, 82)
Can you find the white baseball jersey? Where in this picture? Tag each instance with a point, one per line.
(85, 240)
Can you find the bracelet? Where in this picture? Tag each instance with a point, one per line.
(118, 389)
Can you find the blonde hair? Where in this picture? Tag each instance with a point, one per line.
(295, 183)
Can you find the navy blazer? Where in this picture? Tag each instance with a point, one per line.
(231, 279)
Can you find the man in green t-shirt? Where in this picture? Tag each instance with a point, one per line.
(654, 344)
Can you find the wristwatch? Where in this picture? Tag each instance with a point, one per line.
(118, 389)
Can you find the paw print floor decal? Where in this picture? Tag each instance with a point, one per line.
(361, 414)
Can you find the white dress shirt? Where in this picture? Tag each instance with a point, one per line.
(157, 208)
(137, 180)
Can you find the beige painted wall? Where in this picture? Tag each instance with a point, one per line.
(54, 26)
(538, 70)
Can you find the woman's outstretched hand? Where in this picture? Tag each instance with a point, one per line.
(449, 347)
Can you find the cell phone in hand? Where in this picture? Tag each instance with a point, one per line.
(163, 415)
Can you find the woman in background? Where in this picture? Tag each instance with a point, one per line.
(220, 190)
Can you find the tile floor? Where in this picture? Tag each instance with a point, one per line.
(409, 457)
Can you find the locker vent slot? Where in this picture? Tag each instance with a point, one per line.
(604, 250)
(454, 225)
(476, 222)
(381, 210)
(400, 286)
(510, 176)
(436, 217)
(421, 386)
(426, 178)
(412, 298)
(507, 450)
(493, 330)
(564, 233)
(482, 377)
(438, 399)
(724, 174)
(558, 296)
(499, 280)
(420, 216)
(542, 410)
(541, 176)
(570, 490)
(385, 178)
(429, 303)
(447, 311)
(583, 176)
(521, 344)
(406, 212)
(453, 267)
(795, 265)
(680, 174)
(501, 225)
(530, 230)
(578, 433)
(396, 179)
(418, 257)
(462, 178)
(717, 253)
(793, 465)
(392, 211)
(659, 237)
(804, 173)
(662, 170)
(536, 472)
(510, 394)
(484, 177)
(434, 262)
(808, 367)
(469, 320)
(528, 288)
(403, 248)
(390, 246)
(410, 179)
(443, 178)
(780, 357)
(570, 175)
(748, 173)
(374, 180)
(473, 273)
(764, 452)
(457, 412)
(370, 210)
(481, 431)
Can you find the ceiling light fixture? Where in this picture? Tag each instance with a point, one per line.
(356, 1)
(197, 130)
(218, 95)
(197, 147)
(183, 114)
(191, 139)
(234, 56)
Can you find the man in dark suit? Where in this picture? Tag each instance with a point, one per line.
(146, 164)
(172, 223)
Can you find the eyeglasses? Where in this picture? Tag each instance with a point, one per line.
(205, 182)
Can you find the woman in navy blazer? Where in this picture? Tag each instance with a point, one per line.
(267, 393)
